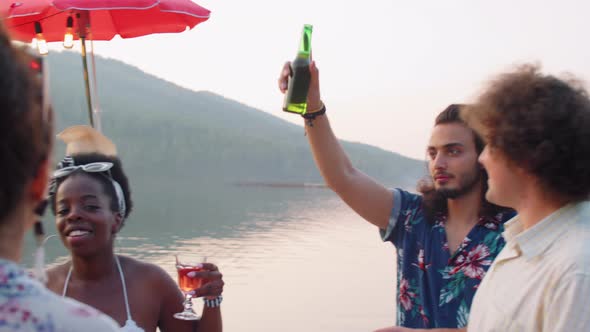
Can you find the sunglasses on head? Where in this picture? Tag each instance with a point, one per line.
(97, 167)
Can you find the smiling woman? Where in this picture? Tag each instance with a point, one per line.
(91, 199)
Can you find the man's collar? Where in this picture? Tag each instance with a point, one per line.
(512, 228)
(537, 239)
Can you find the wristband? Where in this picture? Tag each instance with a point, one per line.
(309, 117)
(213, 303)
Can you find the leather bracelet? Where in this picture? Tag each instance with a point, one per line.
(213, 303)
(309, 117)
(319, 109)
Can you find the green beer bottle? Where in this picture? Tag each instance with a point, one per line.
(296, 96)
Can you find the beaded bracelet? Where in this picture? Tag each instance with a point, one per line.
(213, 303)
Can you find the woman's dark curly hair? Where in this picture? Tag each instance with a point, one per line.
(116, 172)
(541, 124)
(25, 131)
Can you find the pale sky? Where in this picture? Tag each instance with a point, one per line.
(387, 67)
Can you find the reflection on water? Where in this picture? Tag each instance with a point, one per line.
(293, 259)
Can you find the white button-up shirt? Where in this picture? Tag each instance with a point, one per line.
(540, 281)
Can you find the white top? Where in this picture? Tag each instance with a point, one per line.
(26, 305)
(540, 281)
(130, 325)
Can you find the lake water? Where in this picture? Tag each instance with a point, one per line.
(293, 259)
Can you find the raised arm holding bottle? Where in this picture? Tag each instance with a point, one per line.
(432, 232)
(340, 175)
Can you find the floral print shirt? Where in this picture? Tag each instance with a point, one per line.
(436, 287)
(26, 305)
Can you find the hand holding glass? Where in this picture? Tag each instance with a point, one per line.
(187, 285)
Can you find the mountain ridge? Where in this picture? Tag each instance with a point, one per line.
(151, 119)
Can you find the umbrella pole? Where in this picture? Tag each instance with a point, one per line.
(86, 80)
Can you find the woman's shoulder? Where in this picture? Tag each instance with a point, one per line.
(56, 276)
(151, 284)
(59, 269)
(145, 271)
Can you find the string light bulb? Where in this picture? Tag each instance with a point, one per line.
(69, 35)
(41, 42)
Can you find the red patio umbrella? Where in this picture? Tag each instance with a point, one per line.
(98, 20)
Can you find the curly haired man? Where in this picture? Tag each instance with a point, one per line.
(537, 130)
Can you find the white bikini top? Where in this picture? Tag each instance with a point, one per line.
(130, 325)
